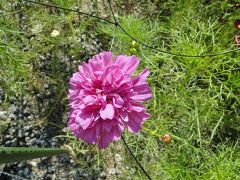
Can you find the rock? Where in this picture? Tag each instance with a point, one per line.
(26, 128)
(20, 133)
(2, 167)
(32, 141)
(27, 139)
(14, 142)
(12, 116)
(21, 164)
(118, 158)
(3, 115)
(33, 163)
(8, 143)
(55, 33)
(26, 171)
(103, 174)
(30, 117)
(111, 170)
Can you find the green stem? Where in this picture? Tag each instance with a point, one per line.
(13, 154)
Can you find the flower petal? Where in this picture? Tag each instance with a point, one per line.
(118, 101)
(107, 58)
(107, 137)
(128, 64)
(141, 77)
(136, 120)
(124, 115)
(84, 119)
(107, 112)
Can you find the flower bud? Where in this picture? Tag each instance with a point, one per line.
(166, 138)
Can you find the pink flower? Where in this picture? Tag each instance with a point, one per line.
(105, 99)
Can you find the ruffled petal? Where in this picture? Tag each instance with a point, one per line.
(84, 119)
(118, 102)
(107, 137)
(141, 77)
(107, 59)
(107, 112)
(128, 64)
(136, 120)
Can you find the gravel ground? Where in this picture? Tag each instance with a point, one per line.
(23, 131)
(28, 116)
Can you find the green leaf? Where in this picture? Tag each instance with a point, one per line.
(13, 154)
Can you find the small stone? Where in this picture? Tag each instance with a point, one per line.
(50, 169)
(20, 116)
(26, 134)
(7, 137)
(55, 33)
(112, 170)
(24, 102)
(54, 177)
(12, 99)
(103, 174)
(12, 116)
(33, 163)
(20, 172)
(32, 141)
(26, 171)
(65, 175)
(27, 139)
(21, 164)
(118, 158)
(14, 142)
(53, 144)
(3, 115)
(26, 111)
(20, 133)
(39, 97)
(2, 167)
(21, 143)
(26, 128)
(30, 117)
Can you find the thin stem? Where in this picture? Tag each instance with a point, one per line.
(111, 9)
(72, 10)
(118, 25)
(174, 54)
(134, 157)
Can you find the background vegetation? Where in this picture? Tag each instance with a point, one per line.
(195, 100)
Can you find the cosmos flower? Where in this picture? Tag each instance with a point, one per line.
(105, 98)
